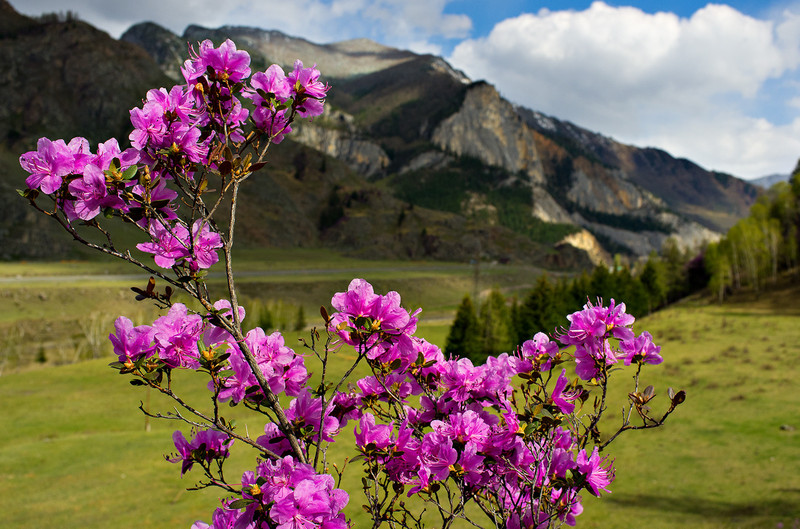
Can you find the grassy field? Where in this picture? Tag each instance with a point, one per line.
(730, 456)
(58, 313)
(74, 451)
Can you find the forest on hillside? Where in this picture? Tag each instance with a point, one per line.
(753, 254)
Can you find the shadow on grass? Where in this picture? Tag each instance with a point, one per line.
(788, 506)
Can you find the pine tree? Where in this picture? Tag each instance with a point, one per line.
(464, 339)
(654, 282)
(495, 328)
(534, 313)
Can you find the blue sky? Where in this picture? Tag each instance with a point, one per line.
(716, 83)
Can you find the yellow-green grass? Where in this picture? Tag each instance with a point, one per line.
(61, 312)
(730, 455)
(73, 450)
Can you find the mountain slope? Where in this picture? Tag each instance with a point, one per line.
(68, 79)
(411, 111)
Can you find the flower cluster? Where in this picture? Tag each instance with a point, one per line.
(284, 370)
(86, 183)
(590, 331)
(428, 421)
(173, 244)
(177, 133)
(205, 447)
(375, 322)
(284, 494)
(424, 422)
(172, 340)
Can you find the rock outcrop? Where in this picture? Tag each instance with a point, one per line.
(488, 128)
(335, 135)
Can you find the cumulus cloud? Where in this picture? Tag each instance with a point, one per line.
(651, 79)
(411, 24)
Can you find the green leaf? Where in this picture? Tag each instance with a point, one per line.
(529, 429)
(153, 375)
(130, 172)
(241, 503)
(137, 382)
(30, 194)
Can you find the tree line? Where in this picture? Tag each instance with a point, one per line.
(498, 324)
(760, 246)
(753, 253)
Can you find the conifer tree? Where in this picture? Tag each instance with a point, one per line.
(464, 339)
(495, 328)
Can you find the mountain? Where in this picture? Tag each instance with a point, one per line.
(770, 180)
(412, 159)
(60, 78)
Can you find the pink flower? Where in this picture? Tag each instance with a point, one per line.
(272, 81)
(358, 299)
(185, 140)
(274, 123)
(540, 351)
(590, 358)
(227, 62)
(435, 457)
(169, 244)
(569, 505)
(306, 411)
(641, 349)
(48, 165)
(377, 435)
(91, 195)
(465, 428)
(176, 336)
(206, 445)
(371, 315)
(204, 245)
(222, 519)
(110, 150)
(309, 92)
(561, 399)
(155, 199)
(131, 343)
(172, 244)
(597, 322)
(597, 477)
(274, 440)
(148, 128)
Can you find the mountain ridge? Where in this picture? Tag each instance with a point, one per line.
(446, 166)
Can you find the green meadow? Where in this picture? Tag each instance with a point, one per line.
(75, 451)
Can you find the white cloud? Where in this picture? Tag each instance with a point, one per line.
(650, 79)
(412, 24)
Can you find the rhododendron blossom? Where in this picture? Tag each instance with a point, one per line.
(206, 445)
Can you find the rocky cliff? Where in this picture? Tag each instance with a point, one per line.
(488, 128)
